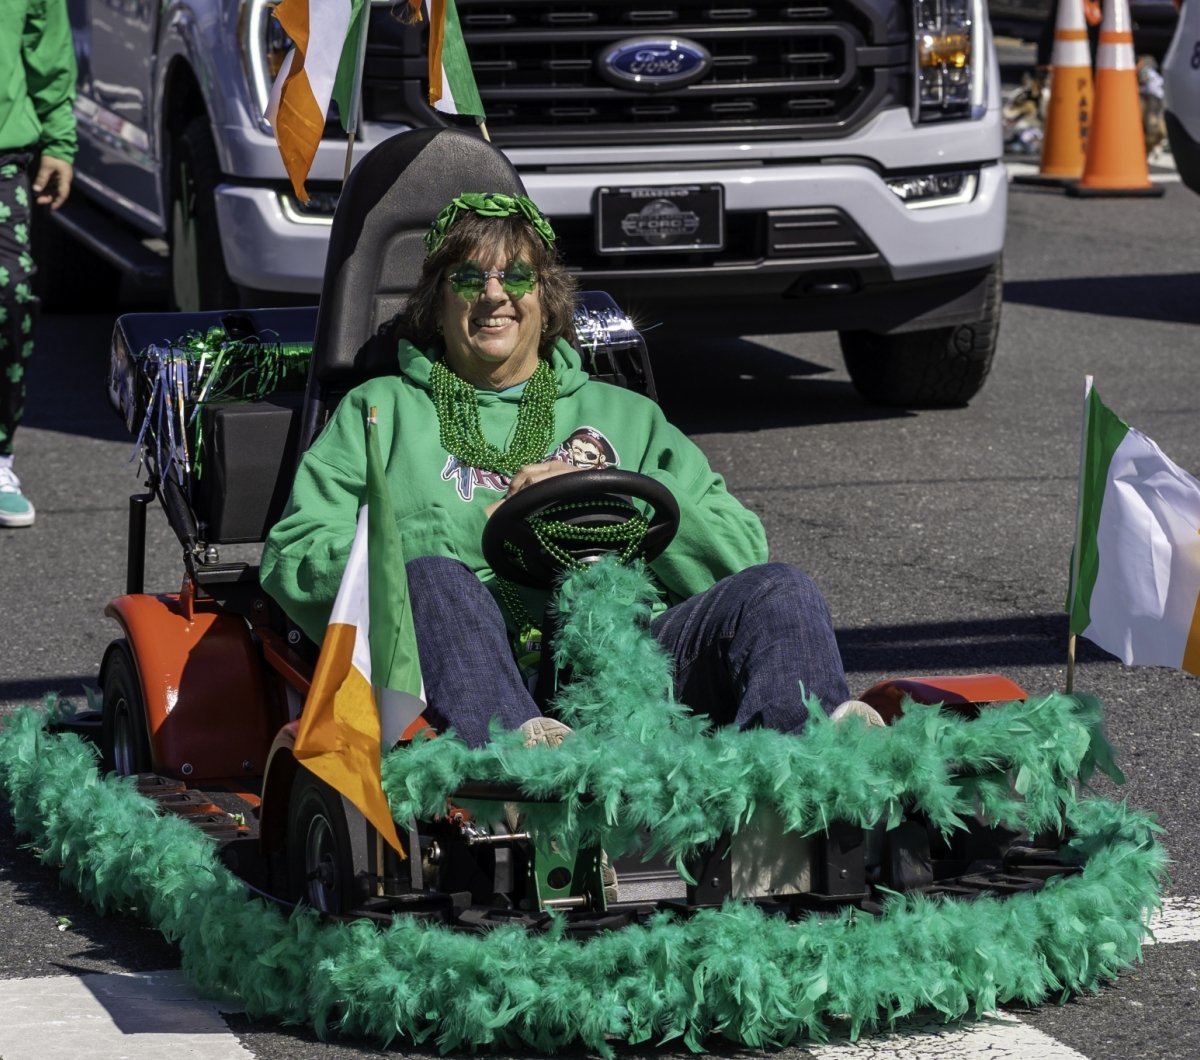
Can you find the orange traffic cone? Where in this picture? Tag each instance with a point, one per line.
(1064, 139)
(1116, 147)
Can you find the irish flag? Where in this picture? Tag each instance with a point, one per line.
(452, 88)
(1136, 573)
(327, 37)
(320, 67)
(367, 689)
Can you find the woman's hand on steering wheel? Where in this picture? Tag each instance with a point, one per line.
(556, 521)
(530, 474)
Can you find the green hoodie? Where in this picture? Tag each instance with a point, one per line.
(37, 78)
(440, 505)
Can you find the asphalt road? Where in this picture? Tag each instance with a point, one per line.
(941, 539)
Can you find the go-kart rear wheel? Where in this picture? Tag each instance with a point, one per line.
(124, 739)
(320, 860)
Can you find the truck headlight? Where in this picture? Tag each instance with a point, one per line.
(935, 189)
(264, 46)
(950, 57)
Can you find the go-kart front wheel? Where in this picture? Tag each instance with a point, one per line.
(124, 740)
(320, 860)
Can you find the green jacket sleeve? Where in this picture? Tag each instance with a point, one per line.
(306, 551)
(718, 536)
(50, 76)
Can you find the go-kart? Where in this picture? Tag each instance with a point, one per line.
(767, 883)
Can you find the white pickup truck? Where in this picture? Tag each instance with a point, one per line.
(1181, 87)
(840, 159)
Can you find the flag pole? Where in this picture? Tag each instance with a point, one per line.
(1070, 664)
(356, 87)
(1083, 437)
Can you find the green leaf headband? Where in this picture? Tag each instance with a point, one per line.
(486, 204)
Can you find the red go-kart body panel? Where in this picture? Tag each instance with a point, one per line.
(965, 692)
(208, 707)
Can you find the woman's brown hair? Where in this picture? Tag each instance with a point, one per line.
(493, 238)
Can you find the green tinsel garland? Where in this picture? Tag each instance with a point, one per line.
(733, 972)
(177, 379)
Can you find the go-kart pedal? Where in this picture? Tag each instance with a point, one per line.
(552, 732)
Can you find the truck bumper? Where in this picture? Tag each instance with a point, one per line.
(271, 247)
(266, 247)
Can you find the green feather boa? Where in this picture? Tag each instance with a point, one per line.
(734, 972)
(654, 765)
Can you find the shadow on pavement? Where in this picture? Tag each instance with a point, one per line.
(1169, 297)
(67, 378)
(33, 690)
(963, 647)
(84, 942)
(726, 385)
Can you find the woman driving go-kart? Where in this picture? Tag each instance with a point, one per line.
(611, 669)
(488, 396)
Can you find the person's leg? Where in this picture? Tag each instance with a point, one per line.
(743, 648)
(18, 311)
(466, 660)
(18, 306)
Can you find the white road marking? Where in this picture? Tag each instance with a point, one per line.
(1179, 921)
(112, 1017)
(999, 1037)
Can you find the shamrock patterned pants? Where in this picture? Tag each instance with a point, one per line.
(18, 305)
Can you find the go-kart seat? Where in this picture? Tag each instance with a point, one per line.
(375, 253)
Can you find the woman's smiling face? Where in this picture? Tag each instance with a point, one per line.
(491, 338)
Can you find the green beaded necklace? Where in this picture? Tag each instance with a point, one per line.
(457, 409)
(461, 436)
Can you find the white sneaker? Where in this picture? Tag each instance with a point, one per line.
(15, 509)
(856, 708)
(549, 731)
(552, 732)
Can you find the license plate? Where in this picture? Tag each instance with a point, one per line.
(656, 220)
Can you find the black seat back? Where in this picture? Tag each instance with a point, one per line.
(375, 252)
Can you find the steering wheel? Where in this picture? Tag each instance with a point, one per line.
(573, 519)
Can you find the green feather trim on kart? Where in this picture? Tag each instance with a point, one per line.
(651, 764)
(733, 972)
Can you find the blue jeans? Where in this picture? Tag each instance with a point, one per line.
(741, 650)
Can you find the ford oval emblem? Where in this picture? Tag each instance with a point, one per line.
(652, 63)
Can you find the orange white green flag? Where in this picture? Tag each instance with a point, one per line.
(367, 688)
(1135, 585)
(452, 88)
(320, 67)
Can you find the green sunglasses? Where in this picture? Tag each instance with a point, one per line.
(470, 278)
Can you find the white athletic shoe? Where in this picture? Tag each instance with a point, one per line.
(856, 708)
(549, 731)
(15, 509)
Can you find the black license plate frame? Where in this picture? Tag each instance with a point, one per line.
(660, 219)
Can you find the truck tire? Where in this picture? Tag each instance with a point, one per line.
(70, 277)
(124, 740)
(198, 277)
(941, 367)
(319, 854)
